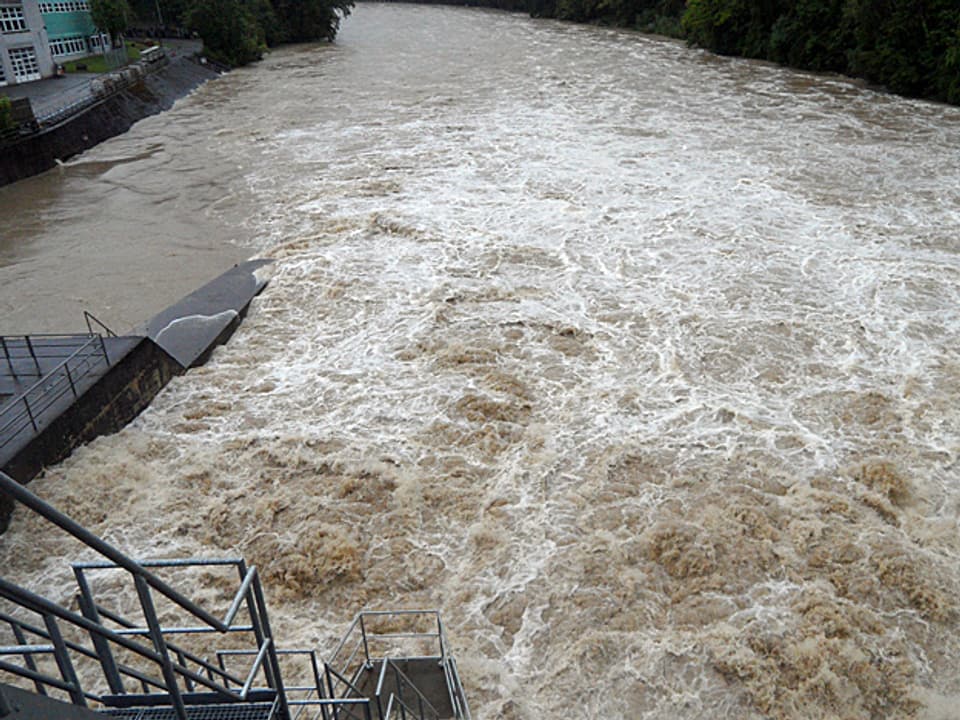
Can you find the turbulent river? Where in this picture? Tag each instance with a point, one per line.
(641, 364)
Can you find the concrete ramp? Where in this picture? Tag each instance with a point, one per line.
(190, 330)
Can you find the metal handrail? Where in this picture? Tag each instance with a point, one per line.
(172, 660)
(45, 389)
(41, 605)
(75, 647)
(172, 669)
(227, 677)
(92, 320)
(393, 699)
(18, 492)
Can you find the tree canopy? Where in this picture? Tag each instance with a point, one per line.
(111, 17)
(910, 47)
(239, 31)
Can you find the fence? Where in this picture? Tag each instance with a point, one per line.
(30, 408)
(54, 110)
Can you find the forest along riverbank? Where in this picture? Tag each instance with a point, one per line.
(638, 362)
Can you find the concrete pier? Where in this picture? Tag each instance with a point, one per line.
(60, 391)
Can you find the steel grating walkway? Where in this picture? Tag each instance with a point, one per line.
(232, 711)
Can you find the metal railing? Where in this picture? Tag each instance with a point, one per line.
(408, 634)
(155, 660)
(30, 350)
(29, 409)
(161, 655)
(403, 685)
(92, 320)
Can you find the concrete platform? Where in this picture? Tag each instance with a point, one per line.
(30, 706)
(190, 330)
(45, 384)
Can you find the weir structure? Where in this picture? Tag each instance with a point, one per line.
(137, 648)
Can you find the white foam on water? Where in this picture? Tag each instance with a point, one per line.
(638, 362)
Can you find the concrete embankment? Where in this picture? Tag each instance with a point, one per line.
(106, 118)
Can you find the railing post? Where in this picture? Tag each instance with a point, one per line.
(443, 650)
(33, 420)
(62, 656)
(6, 354)
(366, 649)
(333, 694)
(273, 676)
(182, 661)
(32, 353)
(27, 658)
(396, 679)
(73, 388)
(160, 645)
(89, 610)
(103, 346)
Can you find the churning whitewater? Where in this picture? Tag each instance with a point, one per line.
(641, 364)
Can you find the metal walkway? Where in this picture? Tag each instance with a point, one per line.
(43, 375)
(171, 659)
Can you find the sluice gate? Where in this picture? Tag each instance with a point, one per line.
(136, 647)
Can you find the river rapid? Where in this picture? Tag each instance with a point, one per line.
(641, 364)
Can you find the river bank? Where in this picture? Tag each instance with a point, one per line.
(148, 95)
(891, 46)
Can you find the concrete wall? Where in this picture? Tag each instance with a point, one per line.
(105, 408)
(104, 120)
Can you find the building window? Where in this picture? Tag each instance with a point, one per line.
(64, 7)
(24, 62)
(11, 19)
(3, 79)
(68, 46)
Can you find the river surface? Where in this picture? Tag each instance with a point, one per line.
(641, 364)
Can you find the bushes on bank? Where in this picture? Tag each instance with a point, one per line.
(7, 122)
(910, 47)
(236, 32)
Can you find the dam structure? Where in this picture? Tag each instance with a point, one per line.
(138, 648)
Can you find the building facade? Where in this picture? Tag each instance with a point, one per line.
(36, 36)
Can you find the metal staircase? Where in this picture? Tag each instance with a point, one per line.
(148, 652)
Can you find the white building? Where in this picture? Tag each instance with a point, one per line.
(36, 36)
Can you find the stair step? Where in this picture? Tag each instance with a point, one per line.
(231, 711)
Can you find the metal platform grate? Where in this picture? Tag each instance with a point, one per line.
(232, 711)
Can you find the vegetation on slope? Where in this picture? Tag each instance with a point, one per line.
(237, 32)
(910, 47)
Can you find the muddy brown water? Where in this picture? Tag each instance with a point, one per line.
(640, 363)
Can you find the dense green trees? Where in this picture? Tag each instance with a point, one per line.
(237, 32)
(111, 17)
(229, 28)
(908, 46)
